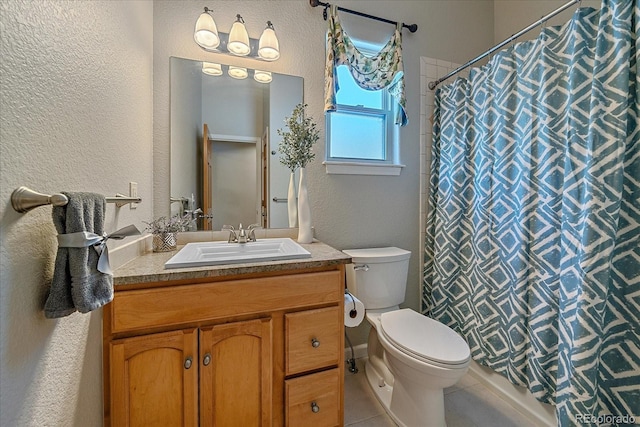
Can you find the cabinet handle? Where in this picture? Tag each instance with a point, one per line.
(207, 359)
(315, 343)
(187, 362)
(314, 407)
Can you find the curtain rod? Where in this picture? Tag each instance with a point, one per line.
(433, 84)
(314, 3)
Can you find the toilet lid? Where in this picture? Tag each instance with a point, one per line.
(424, 337)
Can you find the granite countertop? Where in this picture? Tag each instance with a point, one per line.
(149, 267)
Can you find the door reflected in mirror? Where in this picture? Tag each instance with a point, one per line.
(225, 166)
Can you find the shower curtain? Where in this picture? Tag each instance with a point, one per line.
(532, 248)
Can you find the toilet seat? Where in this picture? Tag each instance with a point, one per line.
(424, 338)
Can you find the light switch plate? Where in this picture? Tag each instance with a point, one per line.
(133, 192)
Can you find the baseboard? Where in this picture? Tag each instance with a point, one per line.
(541, 414)
(359, 352)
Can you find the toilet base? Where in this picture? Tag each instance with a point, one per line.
(381, 390)
(384, 393)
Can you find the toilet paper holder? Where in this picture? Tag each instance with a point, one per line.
(353, 312)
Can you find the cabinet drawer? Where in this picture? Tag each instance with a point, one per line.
(313, 400)
(313, 339)
(175, 305)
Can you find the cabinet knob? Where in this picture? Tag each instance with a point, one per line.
(315, 343)
(207, 359)
(187, 362)
(314, 407)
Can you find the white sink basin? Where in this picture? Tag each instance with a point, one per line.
(217, 253)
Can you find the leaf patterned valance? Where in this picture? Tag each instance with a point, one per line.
(384, 70)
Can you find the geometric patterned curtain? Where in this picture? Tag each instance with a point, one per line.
(385, 69)
(532, 251)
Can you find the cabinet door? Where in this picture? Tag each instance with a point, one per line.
(154, 380)
(236, 374)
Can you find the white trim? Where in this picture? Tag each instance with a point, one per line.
(362, 168)
(234, 138)
(132, 248)
(520, 398)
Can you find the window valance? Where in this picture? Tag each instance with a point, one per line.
(384, 70)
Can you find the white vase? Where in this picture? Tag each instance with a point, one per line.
(305, 234)
(292, 205)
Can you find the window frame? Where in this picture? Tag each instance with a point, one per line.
(364, 166)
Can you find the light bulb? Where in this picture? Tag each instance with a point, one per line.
(238, 72)
(212, 69)
(262, 76)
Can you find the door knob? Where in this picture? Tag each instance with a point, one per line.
(207, 359)
(315, 343)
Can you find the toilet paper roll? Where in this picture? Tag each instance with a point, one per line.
(353, 311)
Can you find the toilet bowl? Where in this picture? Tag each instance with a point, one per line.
(411, 358)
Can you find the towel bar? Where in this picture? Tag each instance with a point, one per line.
(24, 199)
(280, 199)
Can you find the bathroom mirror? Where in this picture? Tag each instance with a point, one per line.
(224, 145)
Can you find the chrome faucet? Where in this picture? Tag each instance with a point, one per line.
(241, 235)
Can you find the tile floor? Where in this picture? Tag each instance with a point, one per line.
(467, 404)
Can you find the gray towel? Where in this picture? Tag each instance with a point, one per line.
(77, 284)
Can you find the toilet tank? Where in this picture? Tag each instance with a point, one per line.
(378, 276)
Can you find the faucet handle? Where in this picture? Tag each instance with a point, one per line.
(252, 231)
(233, 237)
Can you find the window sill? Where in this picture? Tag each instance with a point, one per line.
(362, 168)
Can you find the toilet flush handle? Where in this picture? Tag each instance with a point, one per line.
(361, 267)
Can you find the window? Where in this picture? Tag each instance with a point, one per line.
(362, 137)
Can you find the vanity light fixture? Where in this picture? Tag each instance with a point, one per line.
(262, 76)
(206, 32)
(212, 68)
(268, 47)
(238, 72)
(239, 38)
(237, 42)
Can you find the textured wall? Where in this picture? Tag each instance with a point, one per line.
(76, 115)
(347, 211)
(512, 16)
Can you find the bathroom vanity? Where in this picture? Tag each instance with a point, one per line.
(256, 344)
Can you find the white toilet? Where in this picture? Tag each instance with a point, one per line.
(411, 358)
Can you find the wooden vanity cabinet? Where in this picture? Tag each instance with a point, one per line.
(241, 351)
